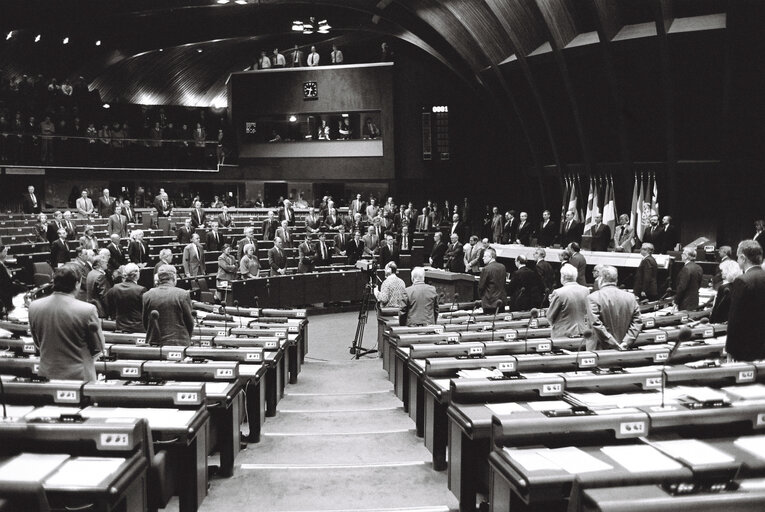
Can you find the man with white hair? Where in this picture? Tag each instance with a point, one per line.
(746, 323)
(138, 251)
(392, 291)
(569, 308)
(615, 315)
(524, 230)
(421, 301)
(175, 322)
(124, 301)
(106, 204)
(116, 254)
(96, 285)
(287, 213)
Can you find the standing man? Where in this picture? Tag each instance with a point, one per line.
(88, 240)
(473, 255)
(277, 260)
(688, 282)
(66, 331)
(615, 314)
(523, 233)
(438, 251)
(138, 250)
(423, 221)
(421, 301)
(526, 288)
(84, 205)
(746, 322)
(371, 242)
(117, 224)
(312, 221)
(454, 257)
(341, 241)
(8, 286)
(571, 231)
(162, 205)
(457, 227)
(183, 235)
(357, 205)
(124, 301)
(547, 230)
(545, 271)
(285, 233)
(355, 248)
(278, 60)
(671, 235)
(106, 204)
(225, 219)
(128, 212)
(198, 215)
(389, 251)
(306, 256)
(30, 202)
(175, 323)
(249, 238)
(59, 250)
(213, 240)
(269, 227)
(496, 226)
(287, 213)
(336, 55)
(313, 58)
(509, 228)
(491, 286)
(601, 234)
(96, 286)
(654, 234)
(116, 254)
(645, 286)
(391, 293)
(624, 238)
(323, 255)
(569, 307)
(194, 258)
(577, 260)
(297, 59)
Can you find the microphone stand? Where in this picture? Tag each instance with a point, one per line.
(585, 336)
(472, 312)
(534, 314)
(225, 319)
(236, 305)
(454, 307)
(685, 335)
(493, 320)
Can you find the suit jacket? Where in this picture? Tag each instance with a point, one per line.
(106, 206)
(645, 279)
(193, 260)
(30, 207)
(746, 323)
(654, 236)
(297, 59)
(671, 238)
(458, 228)
(53, 228)
(225, 220)
(71, 230)
(312, 223)
(688, 284)
(183, 235)
(331, 222)
(371, 244)
(287, 238)
(523, 233)
(546, 234)
(89, 243)
(491, 286)
(615, 318)
(424, 223)
(420, 305)
(547, 274)
(162, 212)
(578, 261)
(84, 206)
(138, 252)
(269, 229)
(124, 303)
(569, 310)
(572, 234)
(116, 257)
(306, 257)
(454, 258)
(60, 329)
(117, 225)
(601, 236)
(8, 288)
(386, 254)
(59, 252)
(526, 289)
(276, 260)
(509, 231)
(357, 207)
(341, 242)
(437, 255)
(212, 243)
(354, 250)
(175, 323)
(624, 238)
(326, 260)
(497, 221)
(96, 286)
(198, 217)
(283, 215)
(226, 267)
(405, 248)
(129, 214)
(721, 306)
(473, 257)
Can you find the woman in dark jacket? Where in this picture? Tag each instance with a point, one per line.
(730, 271)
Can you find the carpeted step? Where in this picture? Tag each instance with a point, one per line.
(359, 488)
(360, 376)
(401, 447)
(335, 423)
(299, 402)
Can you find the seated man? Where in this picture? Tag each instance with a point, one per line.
(392, 291)
(615, 316)
(175, 322)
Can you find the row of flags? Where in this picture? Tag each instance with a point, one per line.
(601, 201)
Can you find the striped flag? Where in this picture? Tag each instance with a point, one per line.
(609, 205)
(572, 201)
(591, 197)
(634, 211)
(564, 202)
(655, 196)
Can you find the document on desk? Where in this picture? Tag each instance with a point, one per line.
(481, 373)
(506, 408)
(31, 467)
(50, 411)
(640, 458)
(693, 451)
(84, 472)
(550, 405)
(216, 388)
(532, 459)
(749, 392)
(752, 444)
(18, 411)
(158, 418)
(574, 460)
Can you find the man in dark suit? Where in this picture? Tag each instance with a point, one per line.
(55, 225)
(175, 323)
(601, 234)
(306, 256)
(405, 240)
(724, 253)
(355, 248)
(454, 257)
(457, 227)
(509, 228)
(116, 254)
(198, 215)
(332, 222)
(438, 251)
(645, 286)
(8, 286)
(30, 201)
(313, 222)
(106, 205)
(524, 230)
(59, 250)
(225, 219)
(128, 213)
(323, 254)
(213, 239)
(759, 232)
(162, 205)
(545, 271)
(341, 241)
(297, 58)
(61, 329)
(269, 226)
(688, 282)
(138, 250)
(285, 233)
(746, 322)
(183, 234)
(389, 251)
(249, 238)
(547, 230)
(571, 230)
(277, 260)
(671, 235)
(124, 301)
(526, 287)
(654, 234)
(577, 260)
(71, 229)
(287, 213)
(491, 286)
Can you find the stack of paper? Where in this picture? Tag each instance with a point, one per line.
(506, 408)
(693, 451)
(480, 373)
(640, 458)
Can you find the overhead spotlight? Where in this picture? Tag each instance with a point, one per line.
(240, 2)
(297, 26)
(162, 49)
(66, 40)
(293, 119)
(199, 50)
(106, 105)
(310, 26)
(10, 35)
(344, 115)
(98, 43)
(223, 1)
(37, 38)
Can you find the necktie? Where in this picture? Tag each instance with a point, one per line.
(34, 200)
(323, 251)
(568, 226)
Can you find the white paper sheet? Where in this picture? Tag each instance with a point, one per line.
(31, 467)
(532, 460)
(506, 408)
(159, 418)
(480, 373)
(216, 387)
(50, 411)
(552, 405)
(640, 458)
(752, 444)
(750, 392)
(574, 460)
(693, 451)
(84, 472)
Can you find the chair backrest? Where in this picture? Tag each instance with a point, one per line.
(43, 273)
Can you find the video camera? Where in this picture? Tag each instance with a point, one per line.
(369, 267)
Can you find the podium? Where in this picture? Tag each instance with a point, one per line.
(448, 283)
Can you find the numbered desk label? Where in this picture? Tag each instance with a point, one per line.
(67, 395)
(270, 344)
(511, 336)
(175, 355)
(204, 343)
(760, 420)
(661, 337)
(252, 356)
(661, 356)
(533, 323)
(29, 348)
(221, 333)
(587, 361)
(632, 428)
(224, 373)
(187, 397)
(507, 366)
(551, 389)
(475, 351)
(438, 329)
(746, 376)
(544, 347)
(709, 333)
(650, 323)
(140, 341)
(452, 337)
(652, 383)
(129, 372)
(508, 318)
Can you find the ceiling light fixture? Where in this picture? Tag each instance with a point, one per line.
(98, 43)
(223, 1)
(199, 50)
(37, 38)
(66, 40)
(310, 26)
(10, 35)
(240, 2)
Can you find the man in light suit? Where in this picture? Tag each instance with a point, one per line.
(194, 258)
(614, 314)
(285, 233)
(473, 255)
(569, 307)
(117, 223)
(312, 221)
(746, 323)
(61, 329)
(84, 205)
(371, 242)
(424, 222)
(624, 235)
(688, 282)
(421, 303)
(277, 260)
(225, 219)
(175, 323)
(357, 206)
(198, 215)
(645, 286)
(601, 234)
(106, 205)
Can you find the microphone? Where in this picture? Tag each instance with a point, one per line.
(154, 316)
(534, 313)
(497, 305)
(454, 307)
(236, 305)
(472, 312)
(586, 335)
(225, 318)
(195, 314)
(684, 335)
(702, 321)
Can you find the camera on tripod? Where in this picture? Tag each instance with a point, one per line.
(370, 268)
